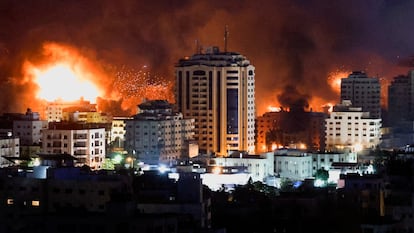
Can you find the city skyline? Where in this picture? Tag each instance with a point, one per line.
(298, 45)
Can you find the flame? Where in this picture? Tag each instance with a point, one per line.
(273, 109)
(60, 81)
(62, 72)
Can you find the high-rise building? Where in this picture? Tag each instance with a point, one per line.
(217, 89)
(401, 99)
(362, 91)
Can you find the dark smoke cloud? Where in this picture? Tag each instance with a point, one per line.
(294, 43)
(292, 99)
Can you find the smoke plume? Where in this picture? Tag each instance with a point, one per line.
(293, 44)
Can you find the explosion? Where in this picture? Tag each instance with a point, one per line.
(334, 79)
(292, 97)
(63, 73)
(62, 82)
(136, 85)
(68, 74)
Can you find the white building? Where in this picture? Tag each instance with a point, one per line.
(258, 166)
(9, 147)
(293, 164)
(351, 129)
(85, 143)
(325, 160)
(29, 128)
(158, 135)
(217, 89)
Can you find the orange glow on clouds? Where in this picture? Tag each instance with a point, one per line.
(60, 81)
(334, 79)
(61, 72)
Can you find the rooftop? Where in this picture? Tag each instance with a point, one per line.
(214, 57)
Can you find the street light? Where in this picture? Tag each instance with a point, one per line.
(130, 161)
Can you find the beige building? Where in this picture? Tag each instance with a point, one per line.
(217, 89)
(86, 116)
(117, 135)
(54, 111)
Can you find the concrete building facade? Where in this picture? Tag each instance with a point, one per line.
(85, 142)
(293, 164)
(158, 135)
(217, 89)
(280, 129)
(349, 128)
(258, 166)
(9, 148)
(362, 91)
(29, 128)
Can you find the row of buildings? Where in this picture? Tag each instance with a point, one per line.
(214, 113)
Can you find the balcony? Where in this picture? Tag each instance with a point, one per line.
(79, 136)
(79, 144)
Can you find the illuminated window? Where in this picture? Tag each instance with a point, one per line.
(35, 203)
(10, 201)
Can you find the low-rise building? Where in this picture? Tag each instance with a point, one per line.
(350, 129)
(157, 135)
(9, 148)
(293, 164)
(86, 142)
(258, 166)
(118, 131)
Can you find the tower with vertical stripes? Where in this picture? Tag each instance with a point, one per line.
(217, 89)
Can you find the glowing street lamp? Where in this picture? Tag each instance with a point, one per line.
(130, 162)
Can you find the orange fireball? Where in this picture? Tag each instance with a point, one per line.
(60, 81)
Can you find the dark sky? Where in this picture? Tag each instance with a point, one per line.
(294, 44)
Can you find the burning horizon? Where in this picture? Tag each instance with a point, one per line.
(64, 74)
(297, 46)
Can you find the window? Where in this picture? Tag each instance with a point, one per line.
(35, 203)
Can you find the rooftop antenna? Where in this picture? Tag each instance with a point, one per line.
(226, 37)
(198, 47)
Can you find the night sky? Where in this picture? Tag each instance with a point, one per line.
(294, 44)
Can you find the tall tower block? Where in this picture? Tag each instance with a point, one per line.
(217, 89)
(362, 91)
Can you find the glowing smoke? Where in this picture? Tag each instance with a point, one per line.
(299, 43)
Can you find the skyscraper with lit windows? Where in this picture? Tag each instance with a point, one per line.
(217, 89)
